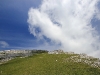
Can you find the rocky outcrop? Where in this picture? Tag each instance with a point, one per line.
(83, 58)
(79, 58)
(7, 55)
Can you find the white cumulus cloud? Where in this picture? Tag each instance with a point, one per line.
(3, 44)
(68, 23)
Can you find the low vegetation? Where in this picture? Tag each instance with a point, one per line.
(47, 64)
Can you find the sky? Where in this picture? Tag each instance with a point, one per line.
(14, 33)
(51, 24)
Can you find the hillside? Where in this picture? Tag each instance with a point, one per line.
(48, 64)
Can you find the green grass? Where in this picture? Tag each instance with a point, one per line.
(46, 64)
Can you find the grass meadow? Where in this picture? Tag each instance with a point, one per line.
(46, 64)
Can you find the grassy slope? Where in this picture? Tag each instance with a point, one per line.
(46, 64)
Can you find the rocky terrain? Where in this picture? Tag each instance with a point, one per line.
(6, 55)
(43, 62)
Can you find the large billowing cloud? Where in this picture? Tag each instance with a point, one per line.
(67, 23)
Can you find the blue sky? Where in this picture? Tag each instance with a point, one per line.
(13, 24)
(15, 31)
